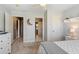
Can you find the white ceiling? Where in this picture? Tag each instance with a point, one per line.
(25, 7)
(61, 7)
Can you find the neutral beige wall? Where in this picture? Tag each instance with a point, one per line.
(54, 24)
(45, 26)
(1, 21)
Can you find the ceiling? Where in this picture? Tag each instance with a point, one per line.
(61, 7)
(26, 7)
(22, 7)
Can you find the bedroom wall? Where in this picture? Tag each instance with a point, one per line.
(45, 26)
(54, 24)
(3, 11)
(55, 20)
(71, 12)
(1, 19)
(29, 30)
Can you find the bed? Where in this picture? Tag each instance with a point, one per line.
(59, 47)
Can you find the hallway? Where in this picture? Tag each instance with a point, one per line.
(19, 48)
(38, 38)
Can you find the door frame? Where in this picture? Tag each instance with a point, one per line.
(13, 26)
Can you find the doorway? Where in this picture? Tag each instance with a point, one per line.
(18, 28)
(38, 29)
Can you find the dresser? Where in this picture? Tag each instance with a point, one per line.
(5, 43)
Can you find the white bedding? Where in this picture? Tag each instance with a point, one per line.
(70, 46)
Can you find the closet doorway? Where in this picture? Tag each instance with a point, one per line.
(18, 28)
(38, 29)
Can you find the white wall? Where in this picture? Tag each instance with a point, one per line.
(54, 24)
(29, 30)
(1, 19)
(45, 26)
(71, 12)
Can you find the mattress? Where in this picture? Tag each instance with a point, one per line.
(60, 47)
(70, 46)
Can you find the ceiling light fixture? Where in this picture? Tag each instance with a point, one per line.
(43, 5)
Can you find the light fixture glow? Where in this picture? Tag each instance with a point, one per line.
(43, 5)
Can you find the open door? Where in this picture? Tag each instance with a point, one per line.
(39, 29)
(18, 28)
